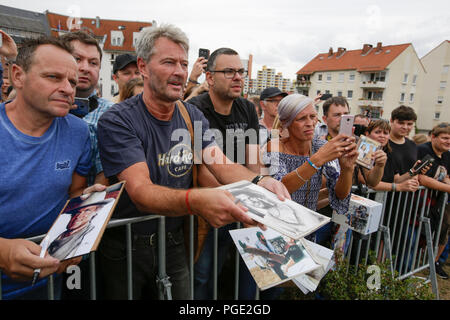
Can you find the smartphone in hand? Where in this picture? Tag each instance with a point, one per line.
(346, 124)
(326, 96)
(203, 53)
(423, 163)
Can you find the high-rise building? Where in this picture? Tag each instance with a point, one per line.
(268, 77)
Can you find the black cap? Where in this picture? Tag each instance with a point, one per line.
(271, 92)
(122, 61)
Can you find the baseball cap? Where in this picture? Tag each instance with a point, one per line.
(271, 92)
(122, 61)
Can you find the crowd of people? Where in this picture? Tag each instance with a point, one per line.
(61, 139)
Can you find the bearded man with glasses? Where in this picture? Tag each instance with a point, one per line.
(236, 120)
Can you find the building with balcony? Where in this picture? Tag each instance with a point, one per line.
(114, 36)
(435, 90)
(378, 78)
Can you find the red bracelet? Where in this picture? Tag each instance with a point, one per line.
(187, 202)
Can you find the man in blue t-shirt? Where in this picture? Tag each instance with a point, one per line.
(144, 140)
(44, 160)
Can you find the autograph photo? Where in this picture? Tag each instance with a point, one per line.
(287, 217)
(80, 226)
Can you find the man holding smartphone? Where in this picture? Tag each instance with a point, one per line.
(437, 178)
(333, 109)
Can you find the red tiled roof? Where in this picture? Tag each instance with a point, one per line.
(58, 21)
(354, 60)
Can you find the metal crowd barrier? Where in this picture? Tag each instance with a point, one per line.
(404, 216)
(405, 237)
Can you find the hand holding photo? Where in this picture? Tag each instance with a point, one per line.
(80, 226)
(287, 217)
(366, 148)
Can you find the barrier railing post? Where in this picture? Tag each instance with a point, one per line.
(406, 225)
(129, 262)
(191, 254)
(92, 276)
(419, 229)
(387, 246)
(50, 287)
(431, 257)
(236, 266)
(163, 279)
(215, 264)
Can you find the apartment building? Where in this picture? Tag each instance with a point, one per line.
(115, 37)
(268, 77)
(376, 78)
(20, 25)
(435, 90)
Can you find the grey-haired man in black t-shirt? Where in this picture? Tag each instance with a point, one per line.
(142, 141)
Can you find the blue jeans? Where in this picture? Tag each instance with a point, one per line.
(203, 269)
(113, 265)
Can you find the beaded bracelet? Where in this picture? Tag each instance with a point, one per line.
(312, 164)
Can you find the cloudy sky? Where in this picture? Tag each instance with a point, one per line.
(282, 34)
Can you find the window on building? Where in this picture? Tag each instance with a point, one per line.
(341, 77)
(349, 94)
(405, 78)
(411, 97)
(437, 115)
(402, 97)
(445, 69)
(328, 77)
(327, 91)
(440, 99)
(339, 93)
(414, 80)
(319, 77)
(443, 84)
(351, 77)
(113, 41)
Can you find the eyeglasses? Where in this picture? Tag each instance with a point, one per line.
(231, 73)
(443, 125)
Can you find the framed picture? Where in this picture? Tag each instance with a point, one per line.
(366, 148)
(80, 225)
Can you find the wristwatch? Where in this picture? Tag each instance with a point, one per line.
(257, 179)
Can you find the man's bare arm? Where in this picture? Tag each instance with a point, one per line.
(433, 183)
(215, 206)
